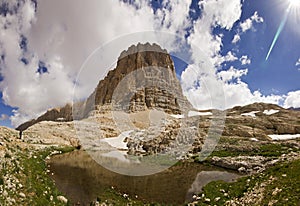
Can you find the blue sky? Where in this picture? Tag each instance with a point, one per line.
(43, 47)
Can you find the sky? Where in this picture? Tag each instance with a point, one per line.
(220, 49)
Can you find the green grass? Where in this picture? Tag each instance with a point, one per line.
(38, 184)
(286, 178)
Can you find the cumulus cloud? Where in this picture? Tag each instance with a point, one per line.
(246, 25)
(221, 13)
(203, 84)
(292, 99)
(230, 57)
(236, 38)
(245, 60)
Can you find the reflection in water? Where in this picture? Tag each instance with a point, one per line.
(78, 176)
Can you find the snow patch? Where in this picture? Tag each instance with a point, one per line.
(254, 139)
(270, 112)
(118, 142)
(284, 136)
(251, 114)
(177, 116)
(195, 113)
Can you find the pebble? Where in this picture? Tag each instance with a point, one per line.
(22, 195)
(242, 169)
(62, 199)
(5, 193)
(217, 199)
(276, 191)
(207, 200)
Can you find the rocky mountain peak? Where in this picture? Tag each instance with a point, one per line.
(144, 78)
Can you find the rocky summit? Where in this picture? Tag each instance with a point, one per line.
(144, 78)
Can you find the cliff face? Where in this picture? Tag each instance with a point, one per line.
(144, 78)
(136, 57)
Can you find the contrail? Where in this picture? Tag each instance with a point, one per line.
(281, 26)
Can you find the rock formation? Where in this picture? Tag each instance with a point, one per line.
(144, 78)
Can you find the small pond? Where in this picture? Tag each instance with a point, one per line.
(81, 179)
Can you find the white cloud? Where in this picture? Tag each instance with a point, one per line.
(204, 86)
(232, 74)
(292, 99)
(230, 57)
(245, 60)
(200, 79)
(248, 23)
(297, 63)
(236, 38)
(239, 94)
(205, 46)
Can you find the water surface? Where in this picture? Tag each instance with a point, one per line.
(81, 179)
